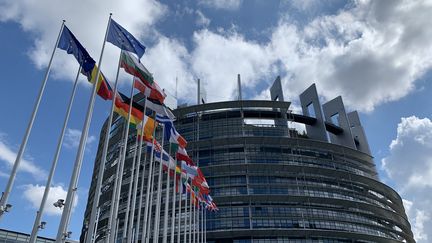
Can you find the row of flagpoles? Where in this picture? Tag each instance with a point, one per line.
(187, 179)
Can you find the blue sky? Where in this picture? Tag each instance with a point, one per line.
(377, 55)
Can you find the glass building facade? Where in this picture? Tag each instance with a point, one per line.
(274, 184)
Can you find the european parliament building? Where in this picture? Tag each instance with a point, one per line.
(273, 183)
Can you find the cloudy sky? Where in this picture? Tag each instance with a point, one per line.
(376, 54)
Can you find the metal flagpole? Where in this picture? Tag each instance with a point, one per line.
(194, 221)
(205, 225)
(185, 215)
(173, 206)
(148, 189)
(167, 195)
(126, 226)
(92, 230)
(4, 206)
(190, 216)
(131, 219)
(122, 162)
(151, 206)
(180, 209)
(202, 222)
(110, 218)
(39, 213)
(159, 194)
(80, 154)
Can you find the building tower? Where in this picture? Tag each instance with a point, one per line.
(274, 184)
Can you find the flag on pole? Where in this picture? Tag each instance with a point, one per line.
(120, 37)
(156, 94)
(71, 45)
(190, 170)
(149, 126)
(103, 88)
(133, 66)
(122, 108)
(171, 133)
(182, 155)
(160, 108)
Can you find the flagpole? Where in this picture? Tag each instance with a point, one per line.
(92, 230)
(126, 225)
(148, 229)
(149, 188)
(4, 206)
(185, 214)
(194, 221)
(39, 213)
(122, 162)
(114, 192)
(180, 209)
(173, 206)
(190, 215)
(129, 239)
(202, 223)
(205, 226)
(167, 195)
(159, 193)
(80, 154)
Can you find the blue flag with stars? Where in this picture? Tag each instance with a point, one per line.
(121, 38)
(71, 45)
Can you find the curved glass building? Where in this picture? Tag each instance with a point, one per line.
(274, 184)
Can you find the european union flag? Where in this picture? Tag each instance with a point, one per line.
(71, 45)
(121, 38)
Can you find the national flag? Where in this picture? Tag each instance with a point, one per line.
(171, 133)
(182, 155)
(124, 40)
(159, 108)
(71, 45)
(103, 88)
(152, 93)
(122, 108)
(190, 170)
(134, 67)
(149, 126)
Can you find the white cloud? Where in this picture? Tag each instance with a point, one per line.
(222, 4)
(8, 155)
(202, 20)
(87, 20)
(34, 193)
(409, 165)
(72, 138)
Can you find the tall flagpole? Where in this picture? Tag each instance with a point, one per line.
(4, 206)
(122, 162)
(135, 189)
(167, 195)
(80, 154)
(148, 228)
(194, 221)
(190, 215)
(39, 213)
(185, 217)
(142, 188)
(173, 206)
(126, 224)
(149, 188)
(180, 209)
(159, 194)
(91, 231)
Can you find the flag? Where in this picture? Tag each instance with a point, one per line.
(133, 66)
(150, 92)
(149, 126)
(171, 133)
(182, 155)
(190, 170)
(71, 45)
(122, 108)
(103, 88)
(159, 108)
(124, 40)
